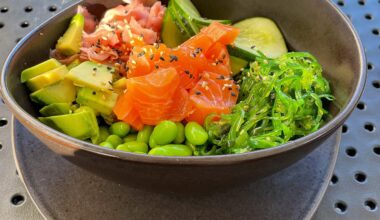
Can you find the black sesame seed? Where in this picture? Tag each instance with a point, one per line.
(94, 69)
(156, 66)
(94, 93)
(162, 58)
(198, 93)
(233, 94)
(173, 58)
(187, 72)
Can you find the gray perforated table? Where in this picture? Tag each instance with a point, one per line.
(354, 190)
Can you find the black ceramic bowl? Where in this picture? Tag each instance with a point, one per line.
(314, 26)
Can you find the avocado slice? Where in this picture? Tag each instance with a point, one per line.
(95, 138)
(100, 101)
(47, 79)
(92, 75)
(56, 109)
(39, 69)
(61, 92)
(70, 43)
(78, 125)
(237, 64)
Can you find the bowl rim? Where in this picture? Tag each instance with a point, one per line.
(67, 141)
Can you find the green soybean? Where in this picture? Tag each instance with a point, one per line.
(103, 133)
(195, 133)
(180, 138)
(152, 143)
(120, 128)
(130, 137)
(106, 144)
(133, 146)
(164, 133)
(114, 140)
(144, 134)
(172, 150)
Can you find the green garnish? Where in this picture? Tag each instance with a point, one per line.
(280, 100)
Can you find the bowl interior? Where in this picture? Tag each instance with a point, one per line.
(313, 26)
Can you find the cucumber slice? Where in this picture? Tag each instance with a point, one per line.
(237, 64)
(258, 34)
(171, 34)
(182, 21)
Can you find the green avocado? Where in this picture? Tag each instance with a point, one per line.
(56, 109)
(79, 125)
(61, 92)
(95, 138)
(100, 101)
(47, 79)
(92, 75)
(39, 69)
(70, 43)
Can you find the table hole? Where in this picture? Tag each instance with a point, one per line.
(376, 84)
(361, 2)
(376, 150)
(351, 152)
(369, 127)
(52, 8)
(370, 205)
(1, 25)
(17, 199)
(340, 207)
(360, 177)
(368, 16)
(375, 31)
(24, 24)
(4, 9)
(340, 3)
(28, 9)
(344, 129)
(1, 146)
(361, 106)
(369, 66)
(334, 180)
(16, 172)
(3, 122)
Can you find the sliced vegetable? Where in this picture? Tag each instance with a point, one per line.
(47, 78)
(61, 92)
(70, 43)
(100, 101)
(258, 34)
(39, 69)
(92, 75)
(172, 150)
(56, 109)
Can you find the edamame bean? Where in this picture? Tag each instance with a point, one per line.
(164, 133)
(120, 128)
(133, 146)
(106, 144)
(195, 133)
(103, 133)
(144, 134)
(171, 150)
(180, 138)
(152, 143)
(130, 137)
(114, 140)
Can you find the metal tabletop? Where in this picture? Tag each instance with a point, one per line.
(354, 191)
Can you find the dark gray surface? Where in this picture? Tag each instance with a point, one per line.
(347, 189)
(62, 190)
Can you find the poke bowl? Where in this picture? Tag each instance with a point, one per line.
(337, 65)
